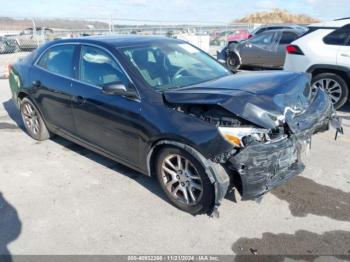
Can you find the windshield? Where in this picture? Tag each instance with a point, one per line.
(172, 65)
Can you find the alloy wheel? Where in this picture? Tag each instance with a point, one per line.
(330, 86)
(233, 62)
(181, 179)
(31, 118)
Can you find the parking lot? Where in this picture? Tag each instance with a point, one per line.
(59, 198)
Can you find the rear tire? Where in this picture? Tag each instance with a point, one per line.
(334, 85)
(33, 121)
(177, 181)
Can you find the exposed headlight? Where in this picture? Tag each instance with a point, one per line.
(237, 135)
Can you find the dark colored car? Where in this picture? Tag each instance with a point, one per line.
(165, 108)
(270, 27)
(265, 28)
(266, 50)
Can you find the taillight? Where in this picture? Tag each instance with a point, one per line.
(294, 50)
(250, 36)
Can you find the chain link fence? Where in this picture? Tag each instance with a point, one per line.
(23, 34)
(18, 36)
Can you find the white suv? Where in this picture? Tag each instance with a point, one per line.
(324, 51)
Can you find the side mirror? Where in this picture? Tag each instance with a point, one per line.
(118, 89)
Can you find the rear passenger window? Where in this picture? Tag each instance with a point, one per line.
(288, 37)
(97, 67)
(58, 60)
(338, 37)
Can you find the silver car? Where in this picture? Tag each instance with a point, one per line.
(266, 50)
(30, 39)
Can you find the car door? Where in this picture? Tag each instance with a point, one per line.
(284, 39)
(253, 50)
(343, 56)
(51, 77)
(109, 122)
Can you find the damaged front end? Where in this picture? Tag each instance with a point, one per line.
(263, 166)
(269, 120)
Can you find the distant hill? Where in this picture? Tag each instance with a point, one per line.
(7, 23)
(277, 16)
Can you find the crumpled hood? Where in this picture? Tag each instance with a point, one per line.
(263, 98)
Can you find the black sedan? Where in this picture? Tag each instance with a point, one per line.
(165, 108)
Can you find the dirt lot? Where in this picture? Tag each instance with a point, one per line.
(59, 198)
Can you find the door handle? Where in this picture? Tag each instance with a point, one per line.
(79, 100)
(36, 83)
(345, 55)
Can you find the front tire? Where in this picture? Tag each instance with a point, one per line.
(233, 62)
(184, 181)
(33, 121)
(335, 87)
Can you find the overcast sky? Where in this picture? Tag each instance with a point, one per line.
(170, 10)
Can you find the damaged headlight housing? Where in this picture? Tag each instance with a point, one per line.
(238, 136)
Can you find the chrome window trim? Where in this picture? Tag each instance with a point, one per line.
(35, 63)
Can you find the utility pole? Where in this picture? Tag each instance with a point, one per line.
(34, 32)
(111, 26)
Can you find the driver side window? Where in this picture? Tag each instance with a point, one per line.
(99, 68)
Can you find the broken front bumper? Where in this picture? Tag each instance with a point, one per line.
(262, 167)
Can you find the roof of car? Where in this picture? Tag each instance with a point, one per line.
(120, 40)
(293, 30)
(282, 25)
(343, 18)
(335, 23)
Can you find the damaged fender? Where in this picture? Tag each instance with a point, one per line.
(216, 173)
(263, 167)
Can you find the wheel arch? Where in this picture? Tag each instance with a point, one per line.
(324, 68)
(216, 173)
(21, 94)
(160, 143)
(235, 51)
(232, 42)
